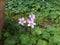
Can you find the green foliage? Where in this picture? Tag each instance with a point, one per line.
(24, 39)
(56, 38)
(6, 34)
(42, 42)
(9, 41)
(46, 35)
(36, 31)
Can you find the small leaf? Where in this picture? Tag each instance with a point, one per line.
(6, 34)
(36, 31)
(24, 39)
(9, 41)
(42, 42)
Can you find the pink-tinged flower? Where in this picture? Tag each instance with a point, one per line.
(21, 21)
(30, 19)
(31, 23)
(32, 16)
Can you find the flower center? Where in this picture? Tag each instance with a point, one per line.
(22, 21)
(31, 24)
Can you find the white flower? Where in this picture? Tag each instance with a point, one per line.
(31, 23)
(21, 21)
(32, 16)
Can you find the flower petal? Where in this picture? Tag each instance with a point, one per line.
(33, 15)
(22, 18)
(34, 23)
(28, 21)
(19, 19)
(19, 22)
(24, 21)
(29, 25)
(32, 26)
(22, 24)
(29, 15)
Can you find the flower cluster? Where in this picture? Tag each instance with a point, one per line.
(30, 21)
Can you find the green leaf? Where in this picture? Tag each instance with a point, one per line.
(36, 31)
(33, 39)
(46, 35)
(51, 41)
(24, 39)
(6, 34)
(9, 41)
(58, 43)
(56, 38)
(42, 42)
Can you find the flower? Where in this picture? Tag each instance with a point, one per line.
(21, 21)
(30, 19)
(31, 23)
(32, 16)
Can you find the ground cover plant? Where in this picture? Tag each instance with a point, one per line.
(45, 31)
